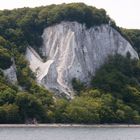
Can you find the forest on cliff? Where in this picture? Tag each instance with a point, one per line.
(114, 92)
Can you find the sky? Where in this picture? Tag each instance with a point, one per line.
(124, 12)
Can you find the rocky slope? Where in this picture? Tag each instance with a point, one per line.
(10, 73)
(73, 51)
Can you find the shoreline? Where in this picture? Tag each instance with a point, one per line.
(69, 126)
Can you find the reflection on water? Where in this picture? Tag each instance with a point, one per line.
(69, 133)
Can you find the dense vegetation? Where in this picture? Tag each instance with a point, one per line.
(22, 27)
(5, 58)
(19, 106)
(134, 37)
(113, 96)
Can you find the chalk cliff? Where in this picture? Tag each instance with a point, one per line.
(73, 51)
(10, 74)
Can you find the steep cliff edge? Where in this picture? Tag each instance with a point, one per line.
(73, 51)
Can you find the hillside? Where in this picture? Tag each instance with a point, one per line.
(107, 86)
(73, 51)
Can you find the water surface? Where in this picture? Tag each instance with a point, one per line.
(62, 133)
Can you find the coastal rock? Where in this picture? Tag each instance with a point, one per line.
(10, 74)
(73, 51)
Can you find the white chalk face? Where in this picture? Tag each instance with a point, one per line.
(73, 51)
(124, 12)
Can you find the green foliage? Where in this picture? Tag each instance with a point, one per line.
(7, 96)
(134, 37)
(92, 93)
(74, 12)
(24, 74)
(77, 85)
(114, 95)
(25, 26)
(116, 74)
(9, 113)
(30, 107)
(2, 41)
(120, 77)
(17, 107)
(84, 110)
(59, 110)
(5, 58)
(93, 109)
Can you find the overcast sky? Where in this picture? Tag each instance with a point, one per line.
(126, 13)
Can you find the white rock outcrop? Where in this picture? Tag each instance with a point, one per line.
(10, 74)
(73, 51)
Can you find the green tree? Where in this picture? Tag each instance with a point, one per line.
(5, 58)
(30, 107)
(84, 110)
(9, 113)
(7, 96)
(59, 110)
